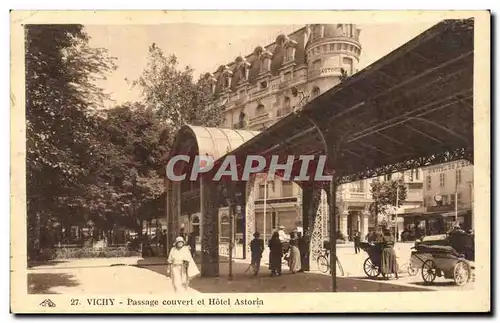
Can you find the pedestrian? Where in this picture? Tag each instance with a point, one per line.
(294, 261)
(182, 268)
(389, 263)
(304, 252)
(192, 244)
(164, 242)
(275, 254)
(357, 240)
(256, 248)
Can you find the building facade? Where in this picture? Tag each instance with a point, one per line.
(413, 181)
(256, 91)
(446, 183)
(448, 200)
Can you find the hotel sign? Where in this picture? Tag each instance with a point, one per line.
(451, 166)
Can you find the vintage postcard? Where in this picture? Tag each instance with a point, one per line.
(250, 162)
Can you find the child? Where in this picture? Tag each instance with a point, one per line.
(256, 248)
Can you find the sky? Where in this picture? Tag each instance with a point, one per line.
(205, 47)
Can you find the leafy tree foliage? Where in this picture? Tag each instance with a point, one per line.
(61, 95)
(174, 95)
(95, 167)
(385, 194)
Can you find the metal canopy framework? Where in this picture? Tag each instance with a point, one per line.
(412, 108)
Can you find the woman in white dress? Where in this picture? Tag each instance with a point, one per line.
(182, 265)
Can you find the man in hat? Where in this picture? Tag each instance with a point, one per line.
(256, 248)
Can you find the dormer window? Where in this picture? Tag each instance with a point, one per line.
(317, 31)
(289, 54)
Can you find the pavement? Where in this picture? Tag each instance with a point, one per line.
(134, 275)
(97, 276)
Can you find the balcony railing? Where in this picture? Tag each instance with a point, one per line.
(263, 117)
(357, 195)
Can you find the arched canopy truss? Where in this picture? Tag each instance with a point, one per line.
(412, 108)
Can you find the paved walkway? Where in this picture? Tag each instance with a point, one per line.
(147, 276)
(97, 276)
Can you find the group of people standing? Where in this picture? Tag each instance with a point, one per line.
(282, 246)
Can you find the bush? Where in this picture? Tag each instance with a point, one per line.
(88, 252)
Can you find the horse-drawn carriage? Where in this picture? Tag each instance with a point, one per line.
(373, 264)
(446, 255)
(441, 261)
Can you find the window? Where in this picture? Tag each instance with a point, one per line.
(348, 64)
(315, 92)
(357, 187)
(452, 199)
(445, 199)
(262, 191)
(428, 181)
(316, 32)
(411, 175)
(459, 198)
(441, 179)
(288, 76)
(287, 189)
(260, 109)
(289, 54)
(286, 105)
(417, 174)
(316, 65)
(388, 177)
(459, 176)
(274, 220)
(225, 226)
(429, 200)
(263, 85)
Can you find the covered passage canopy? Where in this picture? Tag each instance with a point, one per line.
(412, 108)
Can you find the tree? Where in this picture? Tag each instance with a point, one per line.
(173, 94)
(385, 194)
(135, 143)
(61, 95)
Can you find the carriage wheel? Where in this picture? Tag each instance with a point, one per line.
(461, 273)
(429, 270)
(323, 264)
(412, 271)
(370, 269)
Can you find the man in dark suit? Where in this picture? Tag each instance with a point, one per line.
(357, 240)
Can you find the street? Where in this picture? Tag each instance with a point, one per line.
(137, 275)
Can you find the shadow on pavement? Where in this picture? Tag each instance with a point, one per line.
(243, 282)
(42, 283)
(434, 284)
(34, 264)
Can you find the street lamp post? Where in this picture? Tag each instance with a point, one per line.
(397, 207)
